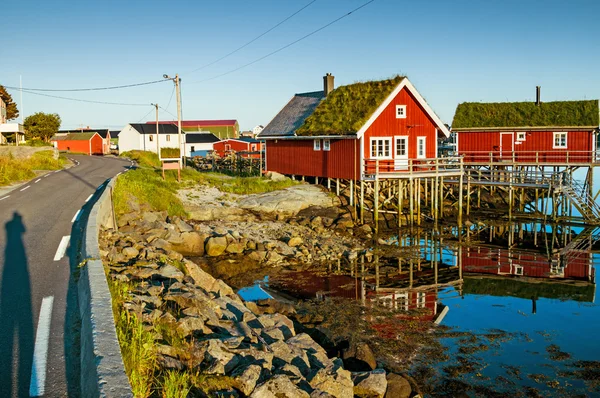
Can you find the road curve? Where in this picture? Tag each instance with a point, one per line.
(42, 224)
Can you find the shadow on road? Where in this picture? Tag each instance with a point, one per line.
(16, 318)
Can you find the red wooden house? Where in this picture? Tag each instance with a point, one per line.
(86, 143)
(554, 133)
(344, 132)
(104, 133)
(247, 147)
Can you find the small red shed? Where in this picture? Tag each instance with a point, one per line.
(247, 147)
(344, 133)
(554, 133)
(86, 143)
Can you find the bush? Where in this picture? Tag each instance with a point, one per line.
(170, 153)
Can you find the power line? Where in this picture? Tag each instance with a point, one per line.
(88, 89)
(253, 40)
(167, 111)
(286, 46)
(145, 116)
(172, 92)
(78, 99)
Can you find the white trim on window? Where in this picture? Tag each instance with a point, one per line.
(168, 137)
(400, 111)
(326, 145)
(317, 145)
(382, 148)
(521, 136)
(399, 155)
(557, 140)
(421, 151)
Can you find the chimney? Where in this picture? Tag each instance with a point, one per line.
(327, 83)
(538, 101)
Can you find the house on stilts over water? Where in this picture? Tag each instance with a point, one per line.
(377, 141)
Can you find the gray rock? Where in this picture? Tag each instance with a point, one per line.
(272, 335)
(130, 252)
(144, 273)
(284, 353)
(397, 387)
(247, 378)
(182, 226)
(279, 386)
(166, 362)
(235, 247)
(275, 176)
(370, 384)
(359, 357)
(274, 258)
(317, 355)
(259, 256)
(190, 244)
(288, 201)
(191, 326)
(170, 272)
(282, 322)
(295, 241)
(217, 358)
(320, 394)
(126, 218)
(216, 246)
(255, 356)
(333, 380)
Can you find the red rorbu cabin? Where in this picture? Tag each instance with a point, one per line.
(353, 131)
(86, 143)
(246, 147)
(554, 133)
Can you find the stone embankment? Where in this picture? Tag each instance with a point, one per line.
(258, 346)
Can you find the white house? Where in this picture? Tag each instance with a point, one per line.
(256, 130)
(143, 137)
(199, 144)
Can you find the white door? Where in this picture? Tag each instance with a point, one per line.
(401, 153)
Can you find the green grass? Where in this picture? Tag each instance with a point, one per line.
(138, 347)
(14, 170)
(37, 143)
(526, 114)
(244, 185)
(347, 108)
(176, 384)
(143, 158)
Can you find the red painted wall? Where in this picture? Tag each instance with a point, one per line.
(298, 157)
(237, 146)
(476, 147)
(416, 124)
(83, 146)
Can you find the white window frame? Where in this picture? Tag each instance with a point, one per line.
(424, 154)
(396, 139)
(556, 134)
(317, 145)
(326, 145)
(521, 136)
(227, 147)
(253, 147)
(151, 138)
(400, 111)
(168, 137)
(382, 139)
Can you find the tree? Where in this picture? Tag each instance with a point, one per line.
(41, 125)
(11, 108)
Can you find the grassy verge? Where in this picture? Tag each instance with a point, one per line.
(14, 170)
(143, 158)
(244, 185)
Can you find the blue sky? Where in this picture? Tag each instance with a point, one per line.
(453, 51)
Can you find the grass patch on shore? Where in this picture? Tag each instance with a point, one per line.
(143, 158)
(138, 347)
(244, 185)
(14, 170)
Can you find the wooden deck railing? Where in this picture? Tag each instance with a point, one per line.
(549, 156)
(390, 167)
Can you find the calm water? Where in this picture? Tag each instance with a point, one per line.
(520, 319)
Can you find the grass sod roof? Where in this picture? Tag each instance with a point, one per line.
(527, 114)
(347, 108)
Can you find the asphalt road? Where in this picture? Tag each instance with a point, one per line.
(39, 315)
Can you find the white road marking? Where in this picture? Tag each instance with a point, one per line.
(6, 197)
(76, 216)
(47, 174)
(89, 197)
(28, 186)
(57, 171)
(37, 387)
(38, 180)
(62, 247)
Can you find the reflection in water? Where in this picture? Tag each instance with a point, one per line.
(520, 296)
(16, 323)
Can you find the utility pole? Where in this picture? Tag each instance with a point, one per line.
(157, 136)
(177, 82)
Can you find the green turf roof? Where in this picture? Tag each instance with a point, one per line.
(79, 136)
(527, 114)
(347, 108)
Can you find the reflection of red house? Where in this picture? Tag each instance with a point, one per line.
(500, 261)
(245, 146)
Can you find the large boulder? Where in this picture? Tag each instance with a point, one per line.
(333, 380)
(370, 384)
(279, 386)
(288, 201)
(397, 387)
(359, 358)
(316, 354)
(190, 243)
(216, 358)
(216, 246)
(246, 378)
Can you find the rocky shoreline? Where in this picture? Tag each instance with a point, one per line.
(258, 347)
